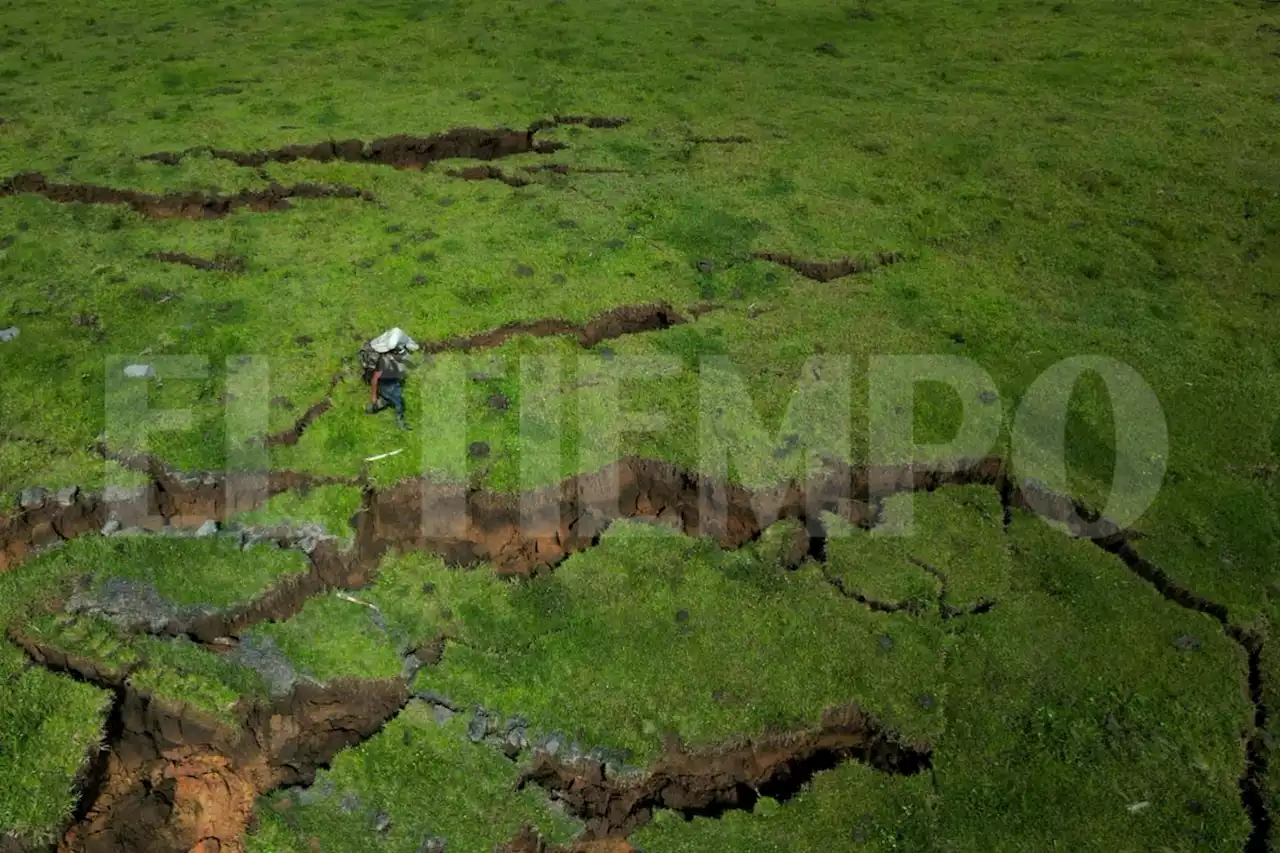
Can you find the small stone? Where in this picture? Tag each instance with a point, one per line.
(558, 278)
(682, 616)
(428, 588)
(885, 642)
(67, 496)
(567, 223)
(209, 528)
(111, 527)
(616, 244)
(473, 95)
(9, 334)
(524, 270)
(432, 844)
(1188, 643)
(829, 49)
(478, 727)
(419, 280)
(706, 266)
(499, 402)
(392, 229)
(364, 263)
(381, 822)
(426, 257)
(32, 498)
(957, 337)
(441, 714)
(139, 371)
(478, 449)
(988, 397)
(926, 701)
(447, 201)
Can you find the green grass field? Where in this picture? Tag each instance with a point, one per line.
(1061, 179)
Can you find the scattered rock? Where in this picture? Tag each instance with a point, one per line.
(1188, 643)
(441, 714)
(350, 802)
(885, 642)
(139, 371)
(478, 727)
(432, 844)
(392, 229)
(67, 496)
(524, 270)
(499, 402)
(478, 449)
(606, 353)
(926, 701)
(567, 223)
(32, 498)
(829, 49)
(86, 321)
(706, 266)
(957, 337)
(558, 278)
(988, 398)
(426, 257)
(111, 527)
(616, 244)
(9, 334)
(209, 528)
(418, 280)
(682, 616)
(447, 201)
(381, 822)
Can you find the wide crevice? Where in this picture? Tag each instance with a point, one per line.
(404, 151)
(608, 325)
(291, 436)
(175, 778)
(188, 205)
(532, 532)
(831, 270)
(709, 782)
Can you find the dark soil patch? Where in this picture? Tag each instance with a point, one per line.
(487, 173)
(193, 205)
(220, 263)
(831, 270)
(614, 323)
(719, 140)
(404, 151)
(708, 783)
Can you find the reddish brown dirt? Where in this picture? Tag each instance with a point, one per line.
(709, 782)
(193, 205)
(220, 263)
(176, 779)
(487, 173)
(404, 151)
(614, 323)
(171, 499)
(830, 270)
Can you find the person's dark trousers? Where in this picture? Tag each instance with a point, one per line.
(391, 393)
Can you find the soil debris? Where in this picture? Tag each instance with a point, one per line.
(192, 205)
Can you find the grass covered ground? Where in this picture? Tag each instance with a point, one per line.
(1061, 179)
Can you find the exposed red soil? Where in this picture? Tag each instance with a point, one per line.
(171, 499)
(176, 779)
(709, 782)
(220, 263)
(830, 270)
(405, 151)
(192, 205)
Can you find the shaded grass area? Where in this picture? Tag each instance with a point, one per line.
(423, 780)
(335, 636)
